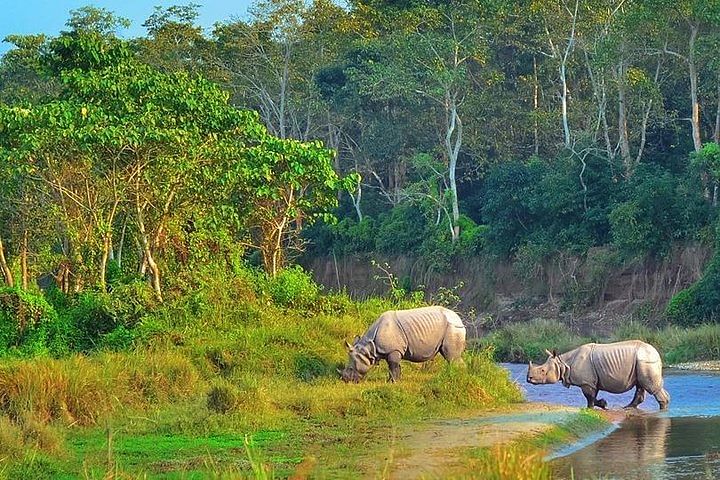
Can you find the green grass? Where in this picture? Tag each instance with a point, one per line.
(201, 379)
(523, 459)
(580, 425)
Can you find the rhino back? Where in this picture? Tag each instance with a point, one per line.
(425, 330)
(616, 365)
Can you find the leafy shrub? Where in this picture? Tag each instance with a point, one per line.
(293, 287)
(29, 325)
(222, 398)
(699, 303)
(310, 366)
(92, 314)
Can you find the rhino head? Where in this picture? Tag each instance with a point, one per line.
(552, 371)
(362, 355)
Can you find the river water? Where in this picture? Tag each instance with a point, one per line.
(681, 443)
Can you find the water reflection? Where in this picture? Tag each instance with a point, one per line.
(650, 447)
(625, 453)
(682, 443)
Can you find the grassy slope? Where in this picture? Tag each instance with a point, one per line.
(236, 379)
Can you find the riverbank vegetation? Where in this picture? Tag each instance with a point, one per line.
(523, 342)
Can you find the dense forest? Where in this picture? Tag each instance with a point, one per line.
(513, 130)
(157, 195)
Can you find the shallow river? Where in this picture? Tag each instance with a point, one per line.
(682, 443)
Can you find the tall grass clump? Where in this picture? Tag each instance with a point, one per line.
(513, 462)
(81, 390)
(522, 342)
(685, 345)
(638, 331)
(479, 382)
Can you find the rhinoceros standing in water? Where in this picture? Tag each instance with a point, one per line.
(612, 367)
(416, 335)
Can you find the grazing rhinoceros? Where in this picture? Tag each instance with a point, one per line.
(612, 367)
(416, 335)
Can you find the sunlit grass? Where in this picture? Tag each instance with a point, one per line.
(181, 404)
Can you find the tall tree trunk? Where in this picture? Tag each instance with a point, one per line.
(453, 142)
(107, 243)
(600, 94)
(24, 260)
(122, 242)
(695, 119)
(7, 273)
(356, 197)
(536, 108)
(563, 77)
(146, 249)
(622, 119)
(646, 117)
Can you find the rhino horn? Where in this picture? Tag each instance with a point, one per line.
(549, 353)
(347, 345)
(531, 363)
(339, 371)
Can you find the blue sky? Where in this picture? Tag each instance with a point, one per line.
(49, 16)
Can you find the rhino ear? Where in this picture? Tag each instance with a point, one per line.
(348, 346)
(554, 353)
(549, 353)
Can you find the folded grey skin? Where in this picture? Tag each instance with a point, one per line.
(611, 367)
(416, 335)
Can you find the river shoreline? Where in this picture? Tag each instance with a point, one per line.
(700, 366)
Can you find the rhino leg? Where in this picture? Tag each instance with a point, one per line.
(663, 398)
(590, 394)
(393, 361)
(638, 398)
(591, 397)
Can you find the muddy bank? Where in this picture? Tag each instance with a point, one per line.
(435, 449)
(593, 293)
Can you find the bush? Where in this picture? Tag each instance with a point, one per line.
(699, 303)
(222, 398)
(350, 236)
(293, 287)
(29, 325)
